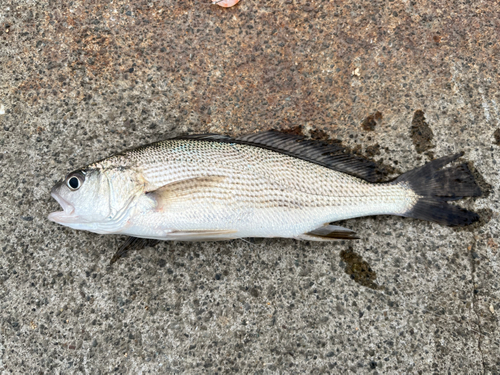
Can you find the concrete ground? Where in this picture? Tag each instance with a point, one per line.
(401, 82)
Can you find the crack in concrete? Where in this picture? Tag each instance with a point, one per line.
(475, 301)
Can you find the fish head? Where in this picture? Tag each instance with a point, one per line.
(95, 199)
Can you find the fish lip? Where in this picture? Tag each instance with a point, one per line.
(64, 216)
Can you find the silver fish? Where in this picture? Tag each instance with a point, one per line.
(212, 187)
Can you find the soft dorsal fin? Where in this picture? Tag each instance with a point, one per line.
(208, 137)
(331, 156)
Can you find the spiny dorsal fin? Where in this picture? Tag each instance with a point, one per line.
(331, 156)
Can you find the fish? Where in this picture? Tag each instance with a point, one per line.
(209, 187)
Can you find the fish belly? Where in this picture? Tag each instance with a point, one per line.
(288, 215)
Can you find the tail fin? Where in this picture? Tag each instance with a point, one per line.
(436, 186)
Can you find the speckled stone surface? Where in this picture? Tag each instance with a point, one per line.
(399, 81)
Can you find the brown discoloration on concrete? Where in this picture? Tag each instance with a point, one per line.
(496, 136)
(421, 133)
(359, 270)
(371, 121)
(284, 61)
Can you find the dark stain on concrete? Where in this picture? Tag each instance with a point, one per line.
(296, 130)
(373, 150)
(485, 214)
(496, 135)
(486, 188)
(372, 121)
(319, 135)
(421, 133)
(359, 270)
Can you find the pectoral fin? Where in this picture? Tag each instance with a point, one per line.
(329, 233)
(184, 190)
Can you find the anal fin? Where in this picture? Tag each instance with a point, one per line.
(329, 233)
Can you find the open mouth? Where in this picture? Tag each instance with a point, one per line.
(64, 216)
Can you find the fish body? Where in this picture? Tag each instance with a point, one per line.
(210, 187)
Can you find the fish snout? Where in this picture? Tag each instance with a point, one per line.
(68, 209)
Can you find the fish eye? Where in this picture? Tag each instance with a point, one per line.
(74, 183)
(75, 180)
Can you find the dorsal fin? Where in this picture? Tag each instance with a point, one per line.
(331, 156)
(208, 137)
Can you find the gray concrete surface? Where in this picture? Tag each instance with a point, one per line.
(82, 80)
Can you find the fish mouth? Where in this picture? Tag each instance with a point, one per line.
(65, 216)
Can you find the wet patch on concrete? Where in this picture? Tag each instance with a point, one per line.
(320, 135)
(359, 270)
(485, 187)
(373, 150)
(485, 215)
(296, 130)
(421, 133)
(496, 136)
(385, 169)
(370, 123)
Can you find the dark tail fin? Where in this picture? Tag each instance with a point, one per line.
(436, 186)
